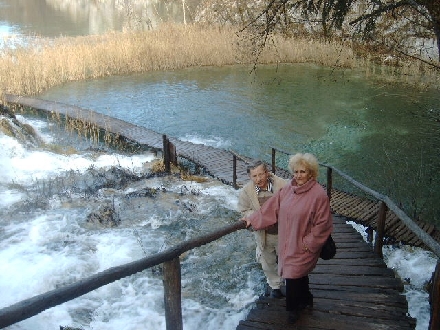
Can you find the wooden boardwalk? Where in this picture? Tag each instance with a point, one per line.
(364, 211)
(218, 163)
(353, 291)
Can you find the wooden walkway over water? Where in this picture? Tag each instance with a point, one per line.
(218, 163)
(355, 290)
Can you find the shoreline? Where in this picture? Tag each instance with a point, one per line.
(47, 62)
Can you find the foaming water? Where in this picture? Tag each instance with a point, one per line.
(213, 141)
(45, 248)
(415, 267)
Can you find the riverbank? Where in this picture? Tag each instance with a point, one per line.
(33, 68)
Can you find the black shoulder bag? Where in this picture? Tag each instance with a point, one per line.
(328, 250)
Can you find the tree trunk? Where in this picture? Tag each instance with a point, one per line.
(433, 8)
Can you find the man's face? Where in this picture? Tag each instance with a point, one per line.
(259, 176)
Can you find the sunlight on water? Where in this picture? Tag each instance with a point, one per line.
(213, 141)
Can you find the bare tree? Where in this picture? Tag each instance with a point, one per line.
(391, 23)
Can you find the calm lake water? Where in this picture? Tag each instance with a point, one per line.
(54, 18)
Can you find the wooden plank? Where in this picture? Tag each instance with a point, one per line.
(340, 307)
(353, 270)
(355, 290)
(313, 319)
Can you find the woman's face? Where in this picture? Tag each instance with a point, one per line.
(301, 175)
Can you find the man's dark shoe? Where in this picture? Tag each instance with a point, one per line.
(276, 293)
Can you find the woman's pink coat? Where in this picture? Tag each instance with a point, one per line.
(304, 221)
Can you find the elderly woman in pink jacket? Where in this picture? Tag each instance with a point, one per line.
(302, 210)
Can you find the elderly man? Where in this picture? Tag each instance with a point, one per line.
(259, 189)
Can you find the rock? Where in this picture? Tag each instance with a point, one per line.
(145, 192)
(6, 112)
(24, 133)
(106, 217)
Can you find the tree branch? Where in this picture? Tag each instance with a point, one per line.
(381, 10)
(419, 59)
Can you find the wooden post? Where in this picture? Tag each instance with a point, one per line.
(369, 231)
(234, 173)
(380, 230)
(166, 154)
(172, 152)
(273, 161)
(434, 299)
(172, 294)
(329, 182)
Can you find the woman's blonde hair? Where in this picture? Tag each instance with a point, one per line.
(307, 160)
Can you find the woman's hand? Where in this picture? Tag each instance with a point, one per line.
(248, 223)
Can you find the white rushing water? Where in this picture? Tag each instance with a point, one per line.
(45, 247)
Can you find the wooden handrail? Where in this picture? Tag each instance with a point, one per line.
(380, 233)
(387, 203)
(169, 153)
(32, 306)
(166, 153)
(434, 299)
(234, 171)
(414, 227)
(172, 294)
(238, 156)
(329, 182)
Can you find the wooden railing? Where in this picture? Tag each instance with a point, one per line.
(169, 153)
(386, 203)
(171, 264)
(171, 280)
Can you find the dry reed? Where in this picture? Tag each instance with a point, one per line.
(34, 68)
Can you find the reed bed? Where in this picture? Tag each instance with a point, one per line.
(44, 63)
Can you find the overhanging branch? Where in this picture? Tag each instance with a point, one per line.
(380, 10)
